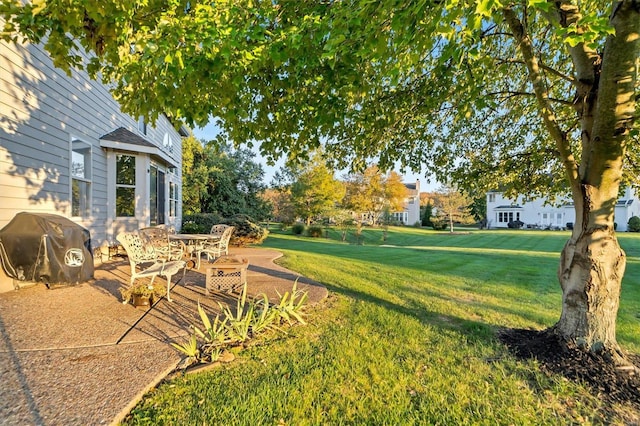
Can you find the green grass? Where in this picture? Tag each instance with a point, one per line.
(406, 337)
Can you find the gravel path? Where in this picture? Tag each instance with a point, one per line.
(77, 356)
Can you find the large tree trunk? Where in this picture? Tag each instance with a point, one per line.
(590, 274)
(592, 263)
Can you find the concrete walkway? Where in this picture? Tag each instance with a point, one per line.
(75, 355)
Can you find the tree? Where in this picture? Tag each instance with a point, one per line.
(281, 206)
(315, 192)
(223, 180)
(426, 214)
(194, 175)
(478, 208)
(452, 205)
(370, 193)
(533, 96)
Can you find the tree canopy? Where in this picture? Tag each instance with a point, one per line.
(421, 82)
(452, 205)
(371, 192)
(223, 180)
(314, 191)
(533, 96)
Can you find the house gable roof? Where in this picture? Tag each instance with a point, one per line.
(122, 139)
(509, 207)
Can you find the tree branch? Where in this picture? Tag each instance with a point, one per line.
(537, 79)
(512, 94)
(546, 68)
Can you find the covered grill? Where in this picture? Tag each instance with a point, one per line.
(46, 247)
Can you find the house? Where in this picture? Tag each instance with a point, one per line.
(67, 148)
(536, 213)
(411, 211)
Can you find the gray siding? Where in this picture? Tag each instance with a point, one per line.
(41, 109)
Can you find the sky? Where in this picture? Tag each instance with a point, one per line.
(210, 131)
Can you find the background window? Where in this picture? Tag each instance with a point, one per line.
(125, 185)
(173, 199)
(80, 178)
(142, 125)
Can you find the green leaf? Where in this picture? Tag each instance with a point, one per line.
(543, 5)
(38, 6)
(486, 7)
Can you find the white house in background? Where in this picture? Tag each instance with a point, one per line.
(536, 214)
(411, 211)
(67, 148)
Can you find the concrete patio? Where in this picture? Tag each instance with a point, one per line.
(75, 355)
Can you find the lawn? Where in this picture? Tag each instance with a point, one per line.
(406, 337)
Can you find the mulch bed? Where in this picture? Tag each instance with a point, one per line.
(554, 356)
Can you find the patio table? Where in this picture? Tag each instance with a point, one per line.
(194, 243)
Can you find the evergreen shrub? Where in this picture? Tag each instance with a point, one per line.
(634, 224)
(246, 231)
(315, 231)
(297, 228)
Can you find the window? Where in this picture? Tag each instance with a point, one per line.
(142, 125)
(80, 178)
(492, 198)
(173, 199)
(125, 185)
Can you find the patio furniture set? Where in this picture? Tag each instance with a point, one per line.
(160, 251)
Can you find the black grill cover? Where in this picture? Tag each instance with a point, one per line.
(46, 247)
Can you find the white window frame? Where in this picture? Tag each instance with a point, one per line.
(123, 185)
(76, 145)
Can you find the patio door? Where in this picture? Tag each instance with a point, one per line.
(157, 196)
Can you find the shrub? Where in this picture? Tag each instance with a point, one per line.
(200, 223)
(634, 224)
(438, 224)
(315, 231)
(190, 228)
(515, 224)
(297, 228)
(246, 232)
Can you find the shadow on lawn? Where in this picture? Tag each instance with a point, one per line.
(445, 261)
(475, 267)
(475, 331)
(605, 381)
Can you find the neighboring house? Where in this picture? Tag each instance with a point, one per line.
(411, 212)
(67, 148)
(537, 214)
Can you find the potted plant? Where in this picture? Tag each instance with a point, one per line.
(142, 294)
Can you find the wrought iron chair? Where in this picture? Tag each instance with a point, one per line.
(158, 238)
(141, 254)
(217, 247)
(218, 230)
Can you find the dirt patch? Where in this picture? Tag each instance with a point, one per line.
(615, 385)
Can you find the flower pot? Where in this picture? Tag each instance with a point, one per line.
(140, 300)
